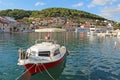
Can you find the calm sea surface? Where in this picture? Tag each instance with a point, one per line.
(91, 58)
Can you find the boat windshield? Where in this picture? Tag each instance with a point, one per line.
(56, 52)
(44, 53)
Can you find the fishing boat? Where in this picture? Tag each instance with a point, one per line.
(42, 57)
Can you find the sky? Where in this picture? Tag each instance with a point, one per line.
(109, 9)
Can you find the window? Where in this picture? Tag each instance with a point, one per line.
(44, 53)
(56, 52)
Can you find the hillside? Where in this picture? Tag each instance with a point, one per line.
(64, 12)
(55, 17)
(15, 13)
(49, 12)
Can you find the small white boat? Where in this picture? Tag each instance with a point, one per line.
(92, 32)
(118, 34)
(42, 56)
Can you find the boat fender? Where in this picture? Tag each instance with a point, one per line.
(119, 43)
(20, 52)
(63, 49)
(51, 56)
(114, 47)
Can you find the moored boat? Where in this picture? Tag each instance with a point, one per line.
(42, 57)
(85, 30)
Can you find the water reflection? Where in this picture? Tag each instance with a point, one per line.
(91, 57)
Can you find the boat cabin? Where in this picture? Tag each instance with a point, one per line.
(43, 51)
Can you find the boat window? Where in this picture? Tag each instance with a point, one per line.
(56, 52)
(44, 53)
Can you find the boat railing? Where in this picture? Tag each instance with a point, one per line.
(44, 40)
(22, 54)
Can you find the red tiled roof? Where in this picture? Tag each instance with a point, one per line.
(3, 22)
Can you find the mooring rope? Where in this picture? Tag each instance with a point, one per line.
(24, 72)
(68, 51)
(48, 72)
(39, 68)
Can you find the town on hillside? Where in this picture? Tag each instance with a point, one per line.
(8, 24)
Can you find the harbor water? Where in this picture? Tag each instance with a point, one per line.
(90, 58)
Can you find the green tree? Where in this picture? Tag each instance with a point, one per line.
(117, 26)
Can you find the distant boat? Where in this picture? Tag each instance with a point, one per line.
(42, 57)
(92, 32)
(118, 34)
(82, 30)
(50, 30)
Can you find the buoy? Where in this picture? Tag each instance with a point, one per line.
(119, 43)
(115, 46)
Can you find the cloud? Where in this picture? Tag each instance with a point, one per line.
(100, 3)
(39, 4)
(118, 5)
(112, 12)
(78, 5)
(91, 5)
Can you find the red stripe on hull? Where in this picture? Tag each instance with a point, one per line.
(34, 68)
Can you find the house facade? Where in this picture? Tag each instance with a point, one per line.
(8, 24)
